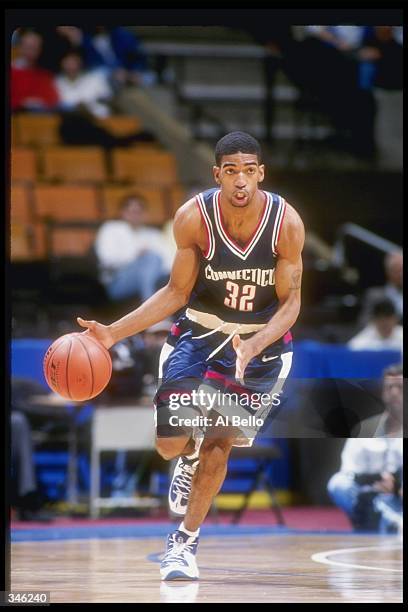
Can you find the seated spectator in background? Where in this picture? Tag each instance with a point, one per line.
(389, 423)
(85, 96)
(119, 52)
(133, 258)
(57, 41)
(77, 87)
(26, 498)
(382, 331)
(32, 87)
(368, 487)
(392, 289)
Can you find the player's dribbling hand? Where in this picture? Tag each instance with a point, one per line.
(100, 331)
(244, 356)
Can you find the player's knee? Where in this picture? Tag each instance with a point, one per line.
(215, 451)
(169, 448)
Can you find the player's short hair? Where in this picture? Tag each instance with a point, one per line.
(237, 142)
(393, 370)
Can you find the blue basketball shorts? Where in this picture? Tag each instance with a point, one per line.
(194, 388)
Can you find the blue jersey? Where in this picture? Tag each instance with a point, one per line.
(237, 283)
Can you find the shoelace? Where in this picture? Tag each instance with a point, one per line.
(213, 331)
(176, 552)
(183, 481)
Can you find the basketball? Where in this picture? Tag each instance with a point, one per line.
(77, 366)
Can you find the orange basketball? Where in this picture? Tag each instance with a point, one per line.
(77, 366)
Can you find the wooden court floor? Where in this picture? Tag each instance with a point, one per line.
(260, 568)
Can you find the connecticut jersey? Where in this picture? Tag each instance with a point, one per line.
(237, 283)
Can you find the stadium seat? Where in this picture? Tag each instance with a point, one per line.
(23, 165)
(175, 197)
(112, 196)
(20, 246)
(81, 164)
(15, 140)
(120, 125)
(66, 202)
(69, 241)
(145, 166)
(20, 209)
(39, 240)
(38, 129)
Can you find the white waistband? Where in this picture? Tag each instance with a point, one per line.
(211, 321)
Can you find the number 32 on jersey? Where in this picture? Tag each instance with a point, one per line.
(240, 298)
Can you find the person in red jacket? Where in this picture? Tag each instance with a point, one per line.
(32, 87)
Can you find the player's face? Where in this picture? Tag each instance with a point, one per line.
(239, 175)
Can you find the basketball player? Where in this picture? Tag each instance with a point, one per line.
(238, 270)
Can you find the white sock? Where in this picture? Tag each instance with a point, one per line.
(189, 533)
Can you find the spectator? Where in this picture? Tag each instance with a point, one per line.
(57, 41)
(26, 498)
(76, 87)
(133, 258)
(382, 332)
(32, 87)
(119, 52)
(389, 423)
(392, 289)
(368, 487)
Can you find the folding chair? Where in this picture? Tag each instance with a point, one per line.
(264, 455)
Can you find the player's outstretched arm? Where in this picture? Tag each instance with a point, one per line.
(288, 277)
(169, 299)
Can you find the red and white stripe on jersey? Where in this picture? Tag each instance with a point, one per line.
(208, 226)
(231, 244)
(278, 224)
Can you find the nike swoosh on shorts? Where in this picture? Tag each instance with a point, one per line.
(265, 358)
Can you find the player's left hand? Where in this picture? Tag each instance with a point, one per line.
(244, 355)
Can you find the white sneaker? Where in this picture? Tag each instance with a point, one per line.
(179, 562)
(180, 485)
(179, 592)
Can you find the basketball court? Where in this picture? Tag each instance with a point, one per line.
(245, 563)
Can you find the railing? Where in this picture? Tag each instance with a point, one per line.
(363, 235)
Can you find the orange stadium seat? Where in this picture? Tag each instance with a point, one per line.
(23, 165)
(145, 166)
(175, 197)
(81, 164)
(15, 140)
(112, 196)
(20, 209)
(67, 202)
(38, 129)
(121, 125)
(39, 239)
(73, 242)
(20, 246)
